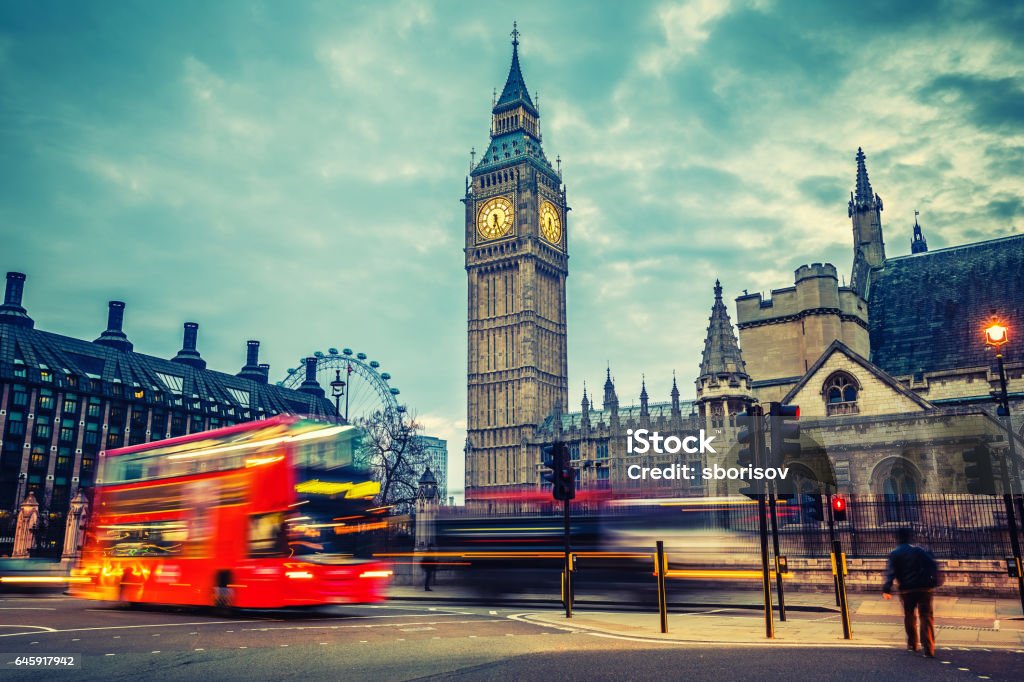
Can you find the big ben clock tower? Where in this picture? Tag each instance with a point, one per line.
(517, 262)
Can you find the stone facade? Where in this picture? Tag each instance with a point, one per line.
(516, 263)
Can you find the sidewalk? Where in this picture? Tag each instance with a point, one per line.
(736, 617)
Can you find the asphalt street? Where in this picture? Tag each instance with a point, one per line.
(422, 640)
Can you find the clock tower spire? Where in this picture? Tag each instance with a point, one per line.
(517, 264)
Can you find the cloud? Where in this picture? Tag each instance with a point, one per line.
(295, 175)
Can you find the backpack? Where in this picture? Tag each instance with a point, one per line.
(931, 576)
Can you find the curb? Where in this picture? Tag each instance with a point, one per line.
(538, 619)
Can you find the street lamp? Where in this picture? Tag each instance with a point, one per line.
(337, 390)
(996, 336)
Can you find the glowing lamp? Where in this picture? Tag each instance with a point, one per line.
(996, 334)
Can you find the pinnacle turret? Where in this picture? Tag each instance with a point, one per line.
(721, 350)
(644, 412)
(918, 244)
(515, 92)
(864, 193)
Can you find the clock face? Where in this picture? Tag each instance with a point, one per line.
(495, 218)
(550, 222)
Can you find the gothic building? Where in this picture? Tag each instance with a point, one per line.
(516, 264)
(64, 401)
(891, 373)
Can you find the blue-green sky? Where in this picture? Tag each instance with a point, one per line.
(292, 172)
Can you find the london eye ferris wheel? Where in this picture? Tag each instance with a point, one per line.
(356, 384)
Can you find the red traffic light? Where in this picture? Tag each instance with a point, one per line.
(838, 504)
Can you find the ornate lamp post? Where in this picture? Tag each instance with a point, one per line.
(997, 335)
(338, 390)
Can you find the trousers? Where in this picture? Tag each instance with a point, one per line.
(918, 604)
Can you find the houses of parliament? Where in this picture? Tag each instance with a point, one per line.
(891, 373)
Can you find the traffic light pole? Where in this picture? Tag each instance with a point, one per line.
(757, 444)
(832, 541)
(567, 585)
(838, 565)
(775, 549)
(1008, 461)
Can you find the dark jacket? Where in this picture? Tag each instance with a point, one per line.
(913, 567)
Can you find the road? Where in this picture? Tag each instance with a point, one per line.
(423, 640)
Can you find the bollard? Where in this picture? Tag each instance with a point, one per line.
(839, 571)
(660, 568)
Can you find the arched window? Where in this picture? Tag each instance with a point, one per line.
(899, 482)
(717, 417)
(840, 393)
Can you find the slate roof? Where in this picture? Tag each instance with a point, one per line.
(62, 355)
(515, 92)
(514, 147)
(927, 310)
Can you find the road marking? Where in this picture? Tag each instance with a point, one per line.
(110, 654)
(493, 613)
(27, 608)
(154, 652)
(76, 639)
(123, 627)
(371, 626)
(199, 650)
(243, 647)
(284, 645)
(322, 643)
(417, 629)
(33, 642)
(946, 662)
(363, 641)
(117, 636)
(966, 670)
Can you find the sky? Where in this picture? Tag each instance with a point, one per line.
(291, 172)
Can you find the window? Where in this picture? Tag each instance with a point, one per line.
(44, 429)
(95, 409)
(70, 404)
(899, 487)
(840, 393)
(16, 424)
(92, 434)
(602, 450)
(45, 400)
(37, 460)
(19, 398)
(67, 430)
(717, 417)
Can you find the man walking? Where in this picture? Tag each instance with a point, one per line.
(917, 573)
(429, 563)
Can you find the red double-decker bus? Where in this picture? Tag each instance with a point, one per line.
(261, 515)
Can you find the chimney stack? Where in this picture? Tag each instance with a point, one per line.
(252, 370)
(188, 354)
(114, 336)
(311, 385)
(12, 312)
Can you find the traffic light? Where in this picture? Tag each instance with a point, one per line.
(555, 458)
(565, 483)
(813, 508)
(838, 508)
(751, 452)
(978, 470)
(785, 426)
